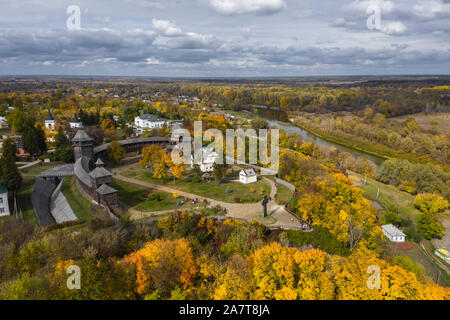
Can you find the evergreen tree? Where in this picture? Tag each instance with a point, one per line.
(61, 140)
(33, 138)
(9, 148)
(10, 174)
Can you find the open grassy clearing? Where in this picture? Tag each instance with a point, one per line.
(389, 197)
(283, 195)
(439, 122)
(132, 195)
(250, 193)
(79, 204)
(419, 257)
(24, 201)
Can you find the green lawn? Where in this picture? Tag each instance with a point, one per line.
(418, 256)
(265, 221)
(79, 204)
(389, 196)
(39, 168)
(24, 201)
(132, 195)
(208, 190)
(283, 195)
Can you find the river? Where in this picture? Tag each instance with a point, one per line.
(308, 137)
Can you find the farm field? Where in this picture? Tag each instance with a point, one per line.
(436, 121)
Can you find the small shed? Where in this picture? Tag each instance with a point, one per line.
(248, 176)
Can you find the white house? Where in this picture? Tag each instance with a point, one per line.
(50, 123)
(248, 176)
(75, 122)
(148, 121)
(208, 158)
(393, 233)
(4, 206)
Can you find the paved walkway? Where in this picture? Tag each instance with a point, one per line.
(235, 210)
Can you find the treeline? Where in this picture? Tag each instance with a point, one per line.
(389, 101)
(187, 256)
(415, 178)
(385, 137)
(342, 160)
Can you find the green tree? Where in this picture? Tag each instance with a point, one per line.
(219, 172)
(430, 227)
(430, 203)
(16, 120)
(9, 148)
(33, 138)
(260, 123)
(116, 152)
(61, 139)
(10, 174)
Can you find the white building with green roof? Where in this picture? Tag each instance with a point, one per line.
(4, 206)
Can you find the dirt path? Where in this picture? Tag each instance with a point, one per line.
(235, 210)
(432, 257)
(30, 164)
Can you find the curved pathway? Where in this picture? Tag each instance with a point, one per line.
(234, 210)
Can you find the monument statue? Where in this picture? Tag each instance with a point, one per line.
(264, 203)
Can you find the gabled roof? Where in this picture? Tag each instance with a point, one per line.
(151, 117)
(82, 136)
(248, 172)
(393, 231)
(99, 162)
(105, 189)
(100, 172)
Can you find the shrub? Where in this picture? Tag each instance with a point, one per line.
(97, 224)
(319, 238)
(407, 264)
(430, 203)
(391, 217)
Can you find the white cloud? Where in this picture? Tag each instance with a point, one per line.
(393, 27)
(362, 5)
(237, 7)
(167, 28)
(430, 9)
(151, 61)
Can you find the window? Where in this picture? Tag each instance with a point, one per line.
(2, 210)
(1, 200)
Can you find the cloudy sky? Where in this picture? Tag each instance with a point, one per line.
(222, 38)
